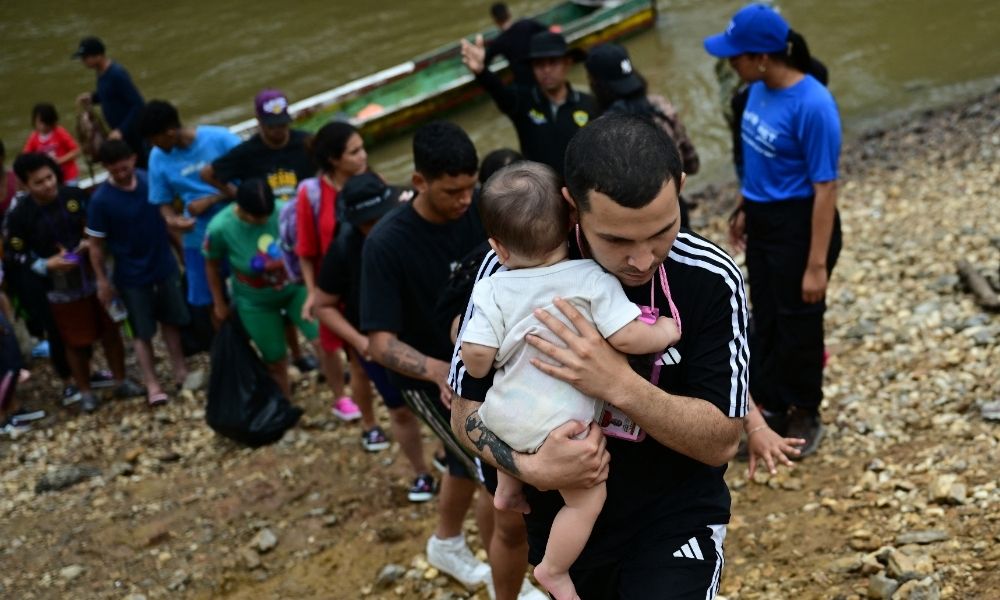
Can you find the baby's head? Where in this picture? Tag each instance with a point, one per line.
(525, 215)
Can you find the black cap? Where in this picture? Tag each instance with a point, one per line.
(367, 198)
(549, 44)
(89, 46)
(610, 64)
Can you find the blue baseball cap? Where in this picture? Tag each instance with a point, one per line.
(755, 29)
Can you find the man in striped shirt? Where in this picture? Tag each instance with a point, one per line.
(661, 531)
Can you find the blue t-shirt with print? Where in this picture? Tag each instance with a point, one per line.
(791, 140)
(134, 232)
(177, 174)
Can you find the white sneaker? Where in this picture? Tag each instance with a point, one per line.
(453, 557)
(528, 591)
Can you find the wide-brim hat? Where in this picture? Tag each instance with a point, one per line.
(549, 44)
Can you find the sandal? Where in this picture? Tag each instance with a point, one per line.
(157, 399)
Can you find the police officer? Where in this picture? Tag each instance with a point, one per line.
(547, 113)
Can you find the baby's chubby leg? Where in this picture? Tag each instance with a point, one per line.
(570, 532)
(510, 494)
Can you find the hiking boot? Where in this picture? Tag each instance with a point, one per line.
(805, 424)
(129, 389)
(423, 488)
(345, 409)
(306, 363)
(453, 557)
(70, 395)
(374, 439)
(88, 402)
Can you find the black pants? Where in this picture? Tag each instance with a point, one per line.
(787, 369)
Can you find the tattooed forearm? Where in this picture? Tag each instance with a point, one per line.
(402, 358)
(482, 438)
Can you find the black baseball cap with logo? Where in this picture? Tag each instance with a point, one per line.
(611, 65)
(367, 198)
(89, 46)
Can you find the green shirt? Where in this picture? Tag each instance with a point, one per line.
(253, 252)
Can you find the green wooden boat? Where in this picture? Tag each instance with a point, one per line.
(395, 100)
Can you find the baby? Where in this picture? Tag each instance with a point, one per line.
(527, 222)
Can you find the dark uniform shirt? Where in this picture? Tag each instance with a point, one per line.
(542, 134)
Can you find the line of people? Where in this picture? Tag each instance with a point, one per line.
(298, 237)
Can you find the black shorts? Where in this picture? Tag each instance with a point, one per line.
(161, 302)
(679, 568)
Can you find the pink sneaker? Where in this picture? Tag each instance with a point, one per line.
(345, 409)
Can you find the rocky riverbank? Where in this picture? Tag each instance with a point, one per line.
(902, 500)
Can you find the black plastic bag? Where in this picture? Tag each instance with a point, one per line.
(244, 402)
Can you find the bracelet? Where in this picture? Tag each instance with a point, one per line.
(755, 430)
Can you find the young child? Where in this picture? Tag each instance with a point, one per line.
(527, 222)
(49, 137)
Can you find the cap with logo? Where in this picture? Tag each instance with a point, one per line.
(367, 198)
(272, 108)
(755, 29)
(611, 65)
(89, 46)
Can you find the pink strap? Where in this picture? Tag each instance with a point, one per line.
(664, 284)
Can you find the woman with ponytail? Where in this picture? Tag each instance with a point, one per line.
(787, 220)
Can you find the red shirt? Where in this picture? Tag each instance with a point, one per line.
(314, 238)
(57, 143)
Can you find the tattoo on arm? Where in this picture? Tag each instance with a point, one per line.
(402, 358)
(482, 438)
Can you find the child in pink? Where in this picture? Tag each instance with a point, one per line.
(49, 137)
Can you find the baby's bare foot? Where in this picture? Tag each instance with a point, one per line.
(558, 583)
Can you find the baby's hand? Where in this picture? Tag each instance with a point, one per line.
(667, 328)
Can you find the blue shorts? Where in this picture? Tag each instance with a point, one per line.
(198, 293)
(390, 394)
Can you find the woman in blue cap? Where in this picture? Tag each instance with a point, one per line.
(787, 219)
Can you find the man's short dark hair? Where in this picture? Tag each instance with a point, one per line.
(44, 112)
(625, 157)
(112, 151)
(26, 164)
(441, 148)
(523, 209)
(499, 12)
(158, 116)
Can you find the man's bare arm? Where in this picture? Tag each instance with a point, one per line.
(562, 462)
(474, 435)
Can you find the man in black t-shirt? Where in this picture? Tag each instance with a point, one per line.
(661, 531)
(407, 259)
(277, 153)
(513, 42)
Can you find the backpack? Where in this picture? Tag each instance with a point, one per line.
(288, 232)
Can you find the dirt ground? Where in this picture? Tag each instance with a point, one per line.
(904, 488)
